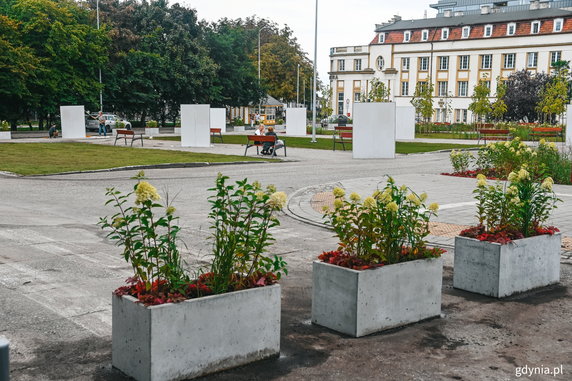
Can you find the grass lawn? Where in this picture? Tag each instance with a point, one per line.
(44, 158)
(326, 143)
(444, 135)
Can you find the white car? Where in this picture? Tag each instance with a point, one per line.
(111, 120)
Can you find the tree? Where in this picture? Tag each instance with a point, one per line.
(523, 91)
(423, 100)
(498, 107)
(554, 97)
(481, 106)
(325, 102)
(378, 92)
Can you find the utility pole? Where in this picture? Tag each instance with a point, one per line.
(315, 76)
(100, 83)
(298, 87)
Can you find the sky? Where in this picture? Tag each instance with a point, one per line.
(340, 22)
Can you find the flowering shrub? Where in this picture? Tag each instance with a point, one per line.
(500, 158)
(241, 215)
(152, 124)
(461, 160)
(4, 125)
(387, 227)
(507, 212)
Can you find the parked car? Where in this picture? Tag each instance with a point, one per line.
(340, 120)
(111, 120)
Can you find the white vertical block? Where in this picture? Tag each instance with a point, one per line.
(569, 125)
(405, 122)
(296, 121)
(73, 122)
(374, 131)
(195, 126)
(218, 118)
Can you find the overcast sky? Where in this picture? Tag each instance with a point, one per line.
(340, 22)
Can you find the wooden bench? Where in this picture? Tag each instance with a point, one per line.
(128, 134)
(547, 132)
(342, 135)
(493, 134)
(216, 133)
(259, 140)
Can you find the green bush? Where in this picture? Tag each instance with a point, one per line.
(152, 124)
(4, 126)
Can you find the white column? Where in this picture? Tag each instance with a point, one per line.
(73, 122)
(296, 121)
(405, 123)
(195, 126)
(569, 125)
(218, 119)
(374, 131)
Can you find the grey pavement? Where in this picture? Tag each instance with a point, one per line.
(57, 272)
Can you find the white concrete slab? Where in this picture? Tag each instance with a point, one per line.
(569, 125)
(374, 131)
(405, 123)
(73, 122)
(296, 121)
(218, 118)
(195, 126)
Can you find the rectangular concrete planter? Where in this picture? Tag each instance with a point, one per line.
(359, 303)
(177, 131)
(497, 270)
(238, 128)
(5, 135)
(151, 131)
(197, 336)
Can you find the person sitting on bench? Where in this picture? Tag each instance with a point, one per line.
(53, 132)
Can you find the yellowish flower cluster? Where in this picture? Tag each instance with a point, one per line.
(355, 197)
(547, 184)
(339, 192)
(146, 192)
(481, 180)
(278, 200)
(170, 210)
(369, 202)
(392, 206)
(434, 207)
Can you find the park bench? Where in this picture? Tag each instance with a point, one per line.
(259, 140)
(216, 133)
(128, 134)
(342, 135)
(547, 132)
(492, 134)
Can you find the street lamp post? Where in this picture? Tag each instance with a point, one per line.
(100, 89)
(315, 75)
(260, 30)
(298, 87)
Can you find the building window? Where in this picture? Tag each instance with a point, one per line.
(357, 65)
(424, 35)
(532, 59)
(379, 63)
(486, 61)
(509, 60)
(488, 31)
(357, 97)
(463, 88)
(463, 62)
(405, 64)
(442, 88)
(422, 85)
(466, 32)
(381, 38)
(558, 25)
(341, 85)
(487, 84)
(407, 36)
(404, 89)
(535, 27)
(340, 103)
(555, 57)
(423, 63)
(341, 65)
(461, 115)
(444, 33)
(444, 63)
(511, 29)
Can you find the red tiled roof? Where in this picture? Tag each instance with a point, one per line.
(499, 30)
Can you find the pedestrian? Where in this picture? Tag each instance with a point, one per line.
(101, 120)
(267, 147)
(53, 132)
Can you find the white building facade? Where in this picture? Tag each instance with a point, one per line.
(452, 52)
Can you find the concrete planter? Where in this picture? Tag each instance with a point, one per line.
(238, 128)
(151, 131)
(359, 303)
(197, 336)
(497, 270)
(5, 135)
(177, 131)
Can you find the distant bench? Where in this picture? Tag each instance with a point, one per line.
(493, 134)
(342, 135)
(216, 133)
(128, 134)
(259, 140)
(547, 132)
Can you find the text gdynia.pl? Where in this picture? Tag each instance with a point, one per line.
(530, 371)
